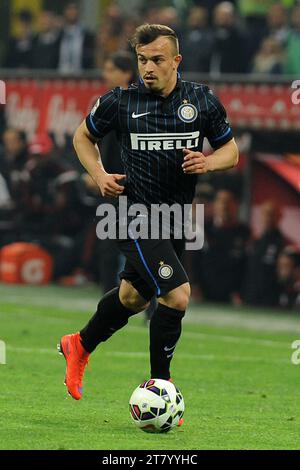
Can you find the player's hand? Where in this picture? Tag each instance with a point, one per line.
(194, 162)
(109, 185)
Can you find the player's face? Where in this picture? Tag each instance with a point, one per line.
(158, 63)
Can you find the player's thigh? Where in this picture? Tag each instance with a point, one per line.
(156, 263)
(131, 298)
(131, 275)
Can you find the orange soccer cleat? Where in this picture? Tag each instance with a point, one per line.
(76, 358)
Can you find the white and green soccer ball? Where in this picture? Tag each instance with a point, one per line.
(156, 406)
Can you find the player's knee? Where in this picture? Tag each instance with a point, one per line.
(179, 297)
(181, 302)
(132, 300)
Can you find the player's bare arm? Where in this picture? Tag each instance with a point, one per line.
(90, 158)
(223, 158)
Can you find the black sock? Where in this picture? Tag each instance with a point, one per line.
(111, 315)
(165, 330)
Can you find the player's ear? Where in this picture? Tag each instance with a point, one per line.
(177, 59)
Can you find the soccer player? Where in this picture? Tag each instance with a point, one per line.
(161, 123)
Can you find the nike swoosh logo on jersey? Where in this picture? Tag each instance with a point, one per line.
(135, 116)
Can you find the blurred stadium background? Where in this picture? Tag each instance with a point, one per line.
(53, 56)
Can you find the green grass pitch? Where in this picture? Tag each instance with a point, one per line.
(233, 367)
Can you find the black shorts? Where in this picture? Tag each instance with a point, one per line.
(153, 266)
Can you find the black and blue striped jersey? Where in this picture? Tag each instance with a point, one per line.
(153, 131)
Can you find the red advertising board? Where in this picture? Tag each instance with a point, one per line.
(58, 106)
(55, 106)
(262, 106)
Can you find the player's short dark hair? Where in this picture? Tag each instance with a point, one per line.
(147, 33)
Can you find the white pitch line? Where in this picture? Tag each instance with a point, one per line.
(41, 317)
(206, 357)
(200, 336)
(226, 338)
(262, 323)
(82, 305)
(31, 350)
(180, 355)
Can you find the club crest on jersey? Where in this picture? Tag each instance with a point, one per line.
(187, 112)
(165, 270)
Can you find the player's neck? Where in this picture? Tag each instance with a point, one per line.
(170, 87)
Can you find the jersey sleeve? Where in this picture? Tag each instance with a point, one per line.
(217, 129)
(104, 116)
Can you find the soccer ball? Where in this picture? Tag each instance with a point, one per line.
(156, 406)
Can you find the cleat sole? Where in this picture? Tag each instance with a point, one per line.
(60, 349)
